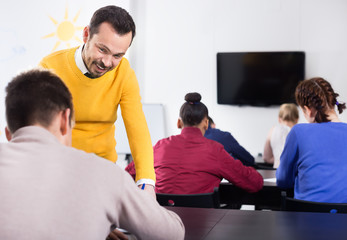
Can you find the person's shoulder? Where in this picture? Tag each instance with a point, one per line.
(124, 73)
(124, 61)
(90, 160)
(332, 126)
(216, 132)
(280, 128)
(124, 64)
(166, 141)
(214, 144)
(95, 170)
(301, 129)
(342, 125)
(299, 126)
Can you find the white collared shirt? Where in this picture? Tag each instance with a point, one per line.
(79, 60)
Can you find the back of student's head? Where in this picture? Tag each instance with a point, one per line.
(35, 97)
(289, 112)
(210, 121)
(318, 94)
(193, 111)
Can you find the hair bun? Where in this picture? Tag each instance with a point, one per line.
(193, 97)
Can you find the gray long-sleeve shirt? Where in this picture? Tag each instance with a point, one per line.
(50, 191)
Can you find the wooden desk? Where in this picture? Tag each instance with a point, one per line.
(212, 224)
(269, 197)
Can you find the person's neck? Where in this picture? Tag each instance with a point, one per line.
(83, 56)
(332, 116)
(288, 123)
(199, 127)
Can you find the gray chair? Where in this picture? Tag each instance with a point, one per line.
(296, 205)
(202, 200)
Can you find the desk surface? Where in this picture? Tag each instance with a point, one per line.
(249, 225)
(267, 175)
(269, 197)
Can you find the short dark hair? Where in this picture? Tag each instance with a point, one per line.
(119, 18)
(35, 96)
(193, 111)
(317, 93)
(210, 121)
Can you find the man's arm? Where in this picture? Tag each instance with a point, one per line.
(238, 151)
(136, 128)
(148, 187)
(238, 174)
(144, 217)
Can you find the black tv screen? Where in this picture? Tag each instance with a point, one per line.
(259, 78)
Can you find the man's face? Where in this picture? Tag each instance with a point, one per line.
(104, 50)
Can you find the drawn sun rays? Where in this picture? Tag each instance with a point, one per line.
(65, 30)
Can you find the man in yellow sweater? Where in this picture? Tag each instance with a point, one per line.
(101, 79)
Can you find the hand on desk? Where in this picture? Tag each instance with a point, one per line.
(117, 235)
(150, 189)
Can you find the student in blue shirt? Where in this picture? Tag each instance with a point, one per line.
(229, 142)
(314, 159)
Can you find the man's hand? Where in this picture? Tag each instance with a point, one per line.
(150, 189)
(117, 235)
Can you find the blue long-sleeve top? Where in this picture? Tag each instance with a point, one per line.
(230, 145)
(313, 161)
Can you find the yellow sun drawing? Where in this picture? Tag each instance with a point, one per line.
(65, 30)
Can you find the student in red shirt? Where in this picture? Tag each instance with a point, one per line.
(189, 163)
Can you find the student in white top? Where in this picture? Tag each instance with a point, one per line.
(288, 116)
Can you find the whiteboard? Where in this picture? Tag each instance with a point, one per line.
(154, 114)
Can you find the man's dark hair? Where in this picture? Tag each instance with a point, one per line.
(210, 121)
(35, 96)
(119, 18)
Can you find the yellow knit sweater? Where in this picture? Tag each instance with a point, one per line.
(96, 102)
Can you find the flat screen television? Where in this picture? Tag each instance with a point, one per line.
(259, 78)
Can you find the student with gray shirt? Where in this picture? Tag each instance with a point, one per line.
(50, 190)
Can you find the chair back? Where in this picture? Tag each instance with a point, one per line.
(201, 200)
(292, 204)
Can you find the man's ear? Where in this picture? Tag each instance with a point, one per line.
(85, 34)
(8, 134)
(64, 123)
(179, 123)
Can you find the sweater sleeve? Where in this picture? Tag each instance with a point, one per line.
(238, 151)
(136, 125)
(242, 176)
(287, 169)
(143, 216)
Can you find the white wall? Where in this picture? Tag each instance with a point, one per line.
(175, 49)
(176, 46)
